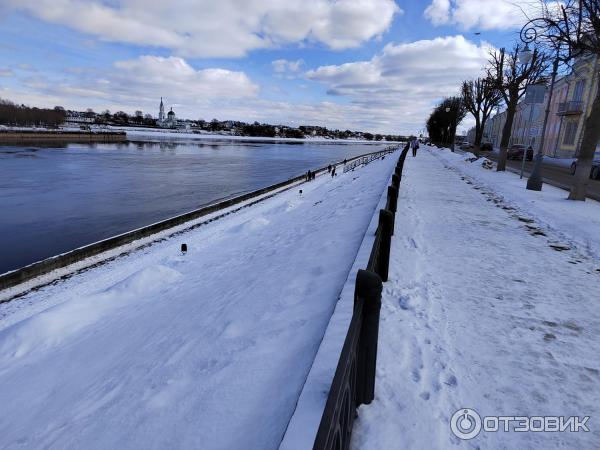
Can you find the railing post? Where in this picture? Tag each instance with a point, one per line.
(386, 222)
(396, 181)
(393, 194)
(368, 288)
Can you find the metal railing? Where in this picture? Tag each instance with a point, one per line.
(354, 380)
(364, 160)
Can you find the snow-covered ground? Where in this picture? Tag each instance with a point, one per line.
(133, 132)
(205, 350)
(492, 304)
(574, 221)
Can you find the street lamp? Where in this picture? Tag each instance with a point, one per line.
(525, 55)
(528, 35)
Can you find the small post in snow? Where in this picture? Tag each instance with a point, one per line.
(183, 249)
(368, 289)
(396, 181)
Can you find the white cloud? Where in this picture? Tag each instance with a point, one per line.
(400, 86)
(6, 73)
(224, 28)
(438, 12)
(393, 92)
(137, 83)
(283, 65)
(483, 14)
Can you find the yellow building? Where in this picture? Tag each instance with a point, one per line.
(571, 112)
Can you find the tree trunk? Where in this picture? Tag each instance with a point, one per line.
(478, 134)
(511, 108)
(591, 136)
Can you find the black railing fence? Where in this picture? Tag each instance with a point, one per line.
(354, 380)
(364, 160)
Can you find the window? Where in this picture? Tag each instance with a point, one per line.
(578, 94)
(570, 132)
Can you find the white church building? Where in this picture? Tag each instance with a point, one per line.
(169, 120)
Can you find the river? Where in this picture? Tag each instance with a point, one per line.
(57, 198)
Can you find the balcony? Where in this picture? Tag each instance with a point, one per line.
(572, 108)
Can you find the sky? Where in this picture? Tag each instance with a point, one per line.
(370, 65)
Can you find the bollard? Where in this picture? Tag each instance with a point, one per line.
(396, 181)
(368, 290)
(184, 248)
(386, 221)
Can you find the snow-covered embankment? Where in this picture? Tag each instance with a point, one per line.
(208, 349)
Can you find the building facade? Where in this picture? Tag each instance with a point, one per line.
(571, 104)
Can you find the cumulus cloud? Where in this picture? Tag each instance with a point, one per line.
(225, 28)
(482, 14)
(401, 85)
(393, 92)
(138, 83)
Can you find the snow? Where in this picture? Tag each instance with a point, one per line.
(133, 133)
(577, 222)
(210, 349)
(491, 304)
(304, 424)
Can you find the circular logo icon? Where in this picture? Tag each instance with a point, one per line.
(465, 423)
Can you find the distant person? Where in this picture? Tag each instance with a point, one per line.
(329, 168)
(333, 172)
(308, 176)
(314, 175)
(415, 146)
(345, 162)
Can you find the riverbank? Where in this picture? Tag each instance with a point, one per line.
(162, 133)
(11, 137)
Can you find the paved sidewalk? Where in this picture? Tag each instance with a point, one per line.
(485, 309)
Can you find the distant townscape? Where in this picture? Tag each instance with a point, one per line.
(14, 115)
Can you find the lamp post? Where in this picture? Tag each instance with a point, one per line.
(528, 35)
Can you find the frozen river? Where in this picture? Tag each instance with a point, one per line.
(54, 199)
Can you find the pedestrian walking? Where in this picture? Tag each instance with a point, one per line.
(333, 172)
(329, 168)
(415, 147)
(308, 176)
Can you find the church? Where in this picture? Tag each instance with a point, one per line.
(168, 121)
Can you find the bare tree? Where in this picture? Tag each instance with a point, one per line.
(571, 28)
(480, 97)
(512, 79)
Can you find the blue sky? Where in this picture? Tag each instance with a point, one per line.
(377, 65)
